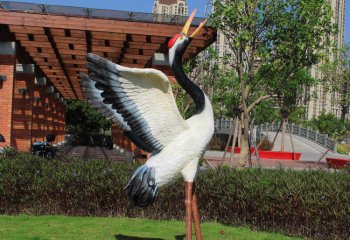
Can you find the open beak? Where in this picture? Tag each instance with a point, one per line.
(188, 24)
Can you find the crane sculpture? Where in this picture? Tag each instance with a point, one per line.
(141, 103)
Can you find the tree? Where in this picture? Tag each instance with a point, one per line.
(266, 112)
(275, 36)
(82, 117)
(327, 123)
(289, 96)
(336, 78)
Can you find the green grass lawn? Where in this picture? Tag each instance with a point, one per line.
(60, 227)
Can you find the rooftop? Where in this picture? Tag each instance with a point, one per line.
(57, 39)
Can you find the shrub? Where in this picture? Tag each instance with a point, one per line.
(306, 203)
(218, 142)
(265, 144)
(341, 149)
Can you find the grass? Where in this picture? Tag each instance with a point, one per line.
(60, 227)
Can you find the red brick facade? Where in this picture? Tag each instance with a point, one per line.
(23, 95)
(7, 68)
(24, 116)
(38, 114)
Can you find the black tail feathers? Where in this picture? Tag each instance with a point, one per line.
(142, 186)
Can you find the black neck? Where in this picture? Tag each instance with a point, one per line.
(192, 89)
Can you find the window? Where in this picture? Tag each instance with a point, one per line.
(181, 9)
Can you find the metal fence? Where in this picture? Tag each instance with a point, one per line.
(304, 132)
(97, 13)
(224, 126)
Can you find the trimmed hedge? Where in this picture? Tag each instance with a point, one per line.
(315, 204)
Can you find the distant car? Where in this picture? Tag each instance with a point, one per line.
(44, 149)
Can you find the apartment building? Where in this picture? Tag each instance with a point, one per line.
(170, 7)
(327, 101)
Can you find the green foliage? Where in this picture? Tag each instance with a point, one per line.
(327, 123)
(82, 117)
(336, 78)
(226, 94)
(298, 116)
(266, 112)
(305, 203)
(342, 150)
(271, 43)
(289, 94)
(184, 102)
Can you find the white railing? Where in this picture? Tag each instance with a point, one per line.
(224, 126)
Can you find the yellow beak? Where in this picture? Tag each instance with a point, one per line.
(188, 24)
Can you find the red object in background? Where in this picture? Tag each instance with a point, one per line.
(272, 154)
(338, 163)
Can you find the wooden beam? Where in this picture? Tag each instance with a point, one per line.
(92, 24)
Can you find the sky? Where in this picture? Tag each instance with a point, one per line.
(146, 6)
(126, 5)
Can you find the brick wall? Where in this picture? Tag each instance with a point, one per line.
(48, 114)
(38, 120)
(7, 68)
(22, 110)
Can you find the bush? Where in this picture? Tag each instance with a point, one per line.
(265, 145)
(306, 203)
(341, 149)
(218, 142)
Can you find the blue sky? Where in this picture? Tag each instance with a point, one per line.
(131, 5)
(146, 6)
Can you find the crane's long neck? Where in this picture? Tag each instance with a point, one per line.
(192, 89)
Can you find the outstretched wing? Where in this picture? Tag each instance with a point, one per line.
(95, 99)
(143, 98)
(93, 91)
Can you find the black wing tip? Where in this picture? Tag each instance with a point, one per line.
(142, 187)
(92, 56)
(138, 141)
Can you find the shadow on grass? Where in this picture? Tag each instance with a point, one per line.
(180, 237)
(124, 237)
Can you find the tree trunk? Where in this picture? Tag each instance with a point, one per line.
(274, 139)
(234, 140)
(283, 137)
(244, 141)
(291, 141)
(239, 134)
(228, 141)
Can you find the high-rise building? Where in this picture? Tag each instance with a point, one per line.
(170, 7)
(326, 101)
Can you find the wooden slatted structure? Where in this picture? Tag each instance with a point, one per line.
(58, 39)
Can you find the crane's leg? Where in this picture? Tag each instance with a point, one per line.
(196, 217)
(188, 205)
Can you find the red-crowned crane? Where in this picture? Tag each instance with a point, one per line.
(141, 102)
